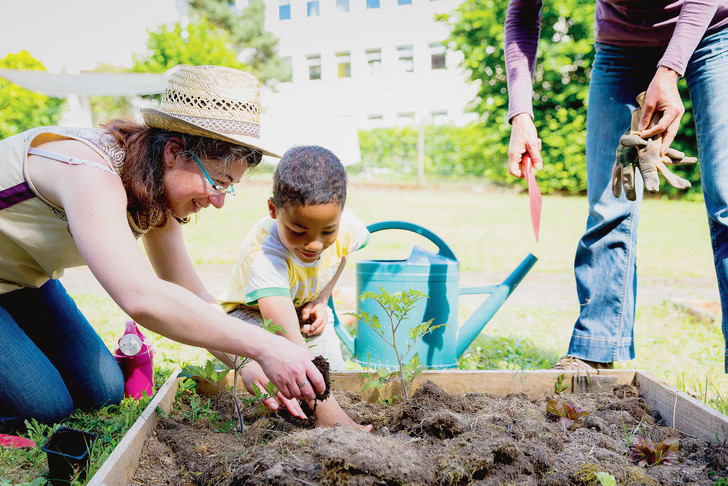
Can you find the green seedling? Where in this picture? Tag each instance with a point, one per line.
(396, 306)
(606, 479)
(560, 387)
(210, 373)
(645, 452)
(567, 413)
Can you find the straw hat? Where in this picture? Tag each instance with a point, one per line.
(211, 101)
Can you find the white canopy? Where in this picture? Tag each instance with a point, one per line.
(87, 84)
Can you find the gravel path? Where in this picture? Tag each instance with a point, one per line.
(537, 289)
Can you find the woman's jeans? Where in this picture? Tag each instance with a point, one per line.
(605, 265)
(51, 359)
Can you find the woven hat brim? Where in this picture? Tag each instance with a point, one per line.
(161, 119)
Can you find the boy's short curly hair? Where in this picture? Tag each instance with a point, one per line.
(307, 176)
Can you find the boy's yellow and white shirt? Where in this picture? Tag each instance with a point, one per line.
(266, 268)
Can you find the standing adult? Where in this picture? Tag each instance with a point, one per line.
(70, 197)
(638, 46)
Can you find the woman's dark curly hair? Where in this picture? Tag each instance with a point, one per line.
(308, 176)
(143, 169)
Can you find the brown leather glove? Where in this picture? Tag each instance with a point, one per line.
(645, 155)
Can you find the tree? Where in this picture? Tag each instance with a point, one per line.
(23, 109)
(561, 86)
(248, 35)
(198, 43)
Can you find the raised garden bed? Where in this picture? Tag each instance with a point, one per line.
(459, 427)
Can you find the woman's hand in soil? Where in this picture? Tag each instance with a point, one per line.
(315, 315)
(290, 369)
(252, 374)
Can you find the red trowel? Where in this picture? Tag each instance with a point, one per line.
(534, 193)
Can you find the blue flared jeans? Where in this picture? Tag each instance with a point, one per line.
(51, 359)
(605, 265)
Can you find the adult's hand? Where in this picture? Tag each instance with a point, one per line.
(252, 375)
(290, 368)
(662, 96)
(524, 140)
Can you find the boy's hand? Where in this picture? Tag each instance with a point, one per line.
(315, 316)
(251, 374)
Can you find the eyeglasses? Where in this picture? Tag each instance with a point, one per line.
(217, 189)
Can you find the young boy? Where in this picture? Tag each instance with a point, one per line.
(290, 261)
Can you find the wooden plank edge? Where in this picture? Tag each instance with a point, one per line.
(494, 382)
(120, 466)
(681, 411)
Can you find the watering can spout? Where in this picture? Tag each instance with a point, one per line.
(340, 331)
(498, 294)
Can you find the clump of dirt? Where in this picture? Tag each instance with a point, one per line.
(323, 366)
(432, 438)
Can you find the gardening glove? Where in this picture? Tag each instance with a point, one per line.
(634, 151)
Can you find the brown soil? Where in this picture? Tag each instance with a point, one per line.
(433, 438)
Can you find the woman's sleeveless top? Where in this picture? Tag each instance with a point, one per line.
(36, 243)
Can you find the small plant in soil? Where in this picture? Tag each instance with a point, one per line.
(396, 306)
(606, 479)
(559, 386)
(645, 452)
(212, 375)
(566, 413)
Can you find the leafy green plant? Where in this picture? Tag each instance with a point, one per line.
(566, 413)
(606, 479)
(396, 306)
(645, 452)
(560, 387)
(719, 481)
(212, 375)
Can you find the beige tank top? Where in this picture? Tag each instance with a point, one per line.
(36, 243)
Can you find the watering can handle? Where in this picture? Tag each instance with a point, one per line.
(444, 250)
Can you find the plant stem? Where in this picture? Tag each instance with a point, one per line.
(396, 353)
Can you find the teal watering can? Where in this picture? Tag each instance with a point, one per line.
(437, 276)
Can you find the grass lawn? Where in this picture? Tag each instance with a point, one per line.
(490, 232)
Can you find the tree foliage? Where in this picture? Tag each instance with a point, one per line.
(197, 43)
(561, 85)
(23, 109)
(248, 35)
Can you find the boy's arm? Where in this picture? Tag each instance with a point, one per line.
(316, 309)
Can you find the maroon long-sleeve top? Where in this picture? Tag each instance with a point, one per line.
(677, 24)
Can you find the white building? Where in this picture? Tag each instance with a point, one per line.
(360, 64)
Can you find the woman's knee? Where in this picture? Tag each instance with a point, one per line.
(45, 404)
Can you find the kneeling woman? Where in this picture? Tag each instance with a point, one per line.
(70, 197)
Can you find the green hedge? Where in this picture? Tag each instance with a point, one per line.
(481, 150)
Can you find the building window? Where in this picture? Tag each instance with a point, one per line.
(312, 7)
(439, 117)
(314, 67)
(404, 2)
(374, 60)
(375, 121)
(342, 5)
(343, 61)
(372, 3)
(437, 53)
(405, 119)
(406, 59)
(284, 9)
